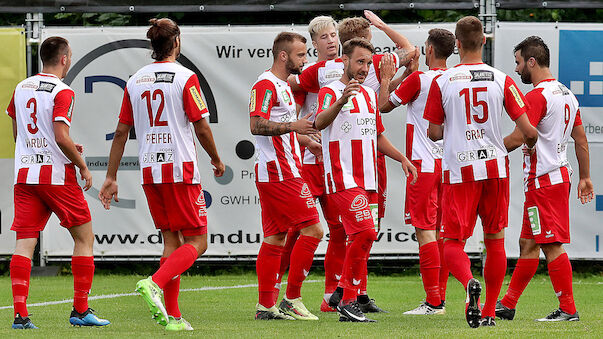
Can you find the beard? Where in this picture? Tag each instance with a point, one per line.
(526, 77)
(292, 68)
(352, 75)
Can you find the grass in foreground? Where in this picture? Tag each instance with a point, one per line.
(228, 313)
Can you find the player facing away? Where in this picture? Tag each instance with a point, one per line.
(349, 119)
(323, 32)
(285, 199)
(547, 180)
(423, 205)
(162, 100)
(469, 99)
(46, 181)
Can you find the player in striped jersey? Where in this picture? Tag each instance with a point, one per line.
(163, 101)
(469, 100)
(351, 126)
(46, 182)
(423, 207)
(555, 113)
(286, 200)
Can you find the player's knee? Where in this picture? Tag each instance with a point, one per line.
(552, 251)
(314, 231)
(528, 248)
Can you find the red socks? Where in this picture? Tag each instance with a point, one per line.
(177, 263)
(429, 263)
(560, 271)
(170, 294)
(20, 271)
(292, 236)
(357, 252)
(267, 266)
(523, 273)
(457, 261)
(443, 279)
(494, 273)
(334, 257)
(82, 269)
(301, 261)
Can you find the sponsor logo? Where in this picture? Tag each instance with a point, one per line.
(46, 87)
(482, 75)
(167, 77)
(534, 218)
(30, 85)
(197, 98)
(517, 96)
(549, 234)
(145, 79)
(327, 101)
(437, 150)
(286, 117)
(201, 199)
(157, 157)
(306, 273)
(286, 97)
(252, 101)
(359, 203)
(561, 147)
(460, 77)
(337, 276)
(558, 294)
(334, 74)
(479, 154)
(346, 127)
(32, 159)
(266, 101)
(70, 110)
(305, 192)
(355, 282)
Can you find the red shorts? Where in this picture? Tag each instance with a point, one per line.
(177, 207)
(546, 214)
(423, 205)
(286, 204)
(381, 183)
(354, 209)
(35, 203)
(465, 201)
(314, 176)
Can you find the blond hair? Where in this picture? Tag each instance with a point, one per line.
(319, 24)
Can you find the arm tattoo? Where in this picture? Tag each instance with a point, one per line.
(266, 127)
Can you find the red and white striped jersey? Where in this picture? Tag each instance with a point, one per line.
(278, 156)
(160, 101)
(413, 92)
(309, 105)
(349, 144)
(373, 79)
(469, 99)
(554, 112)
(37, 103)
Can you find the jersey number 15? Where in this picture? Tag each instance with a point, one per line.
(465, 92)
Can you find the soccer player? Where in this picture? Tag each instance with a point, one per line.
(351, 126)
(285, 199)
(423, 206)
(469, 100)
(555, 113)
(46, 182)
(163, 101)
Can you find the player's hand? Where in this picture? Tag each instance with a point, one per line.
(528, 151)
(316, 149)
(219, 168)
(374, 19)
(351, 89)
(304, 126)
(79, 148)
(413, 64)
(585, 190)
(409, 170)
(107, 192)
(87, 176)
(387, 67)
(315, 137)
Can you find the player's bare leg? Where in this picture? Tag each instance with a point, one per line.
(20, 272)
(560, 272)
(495, 269)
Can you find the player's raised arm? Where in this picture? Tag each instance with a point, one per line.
(406, 49)
(388, 69)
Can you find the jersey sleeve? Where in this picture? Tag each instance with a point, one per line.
(262, 99)
(578, 120)
(407, 91)
(377, 64)
(380, 127)
(63, 106)
(10, 110)
(308, 79)
(126, 115)
(515, 102)
(326, 98)
(434, 111)
(299, 97)
(537, 103)
(193, 103)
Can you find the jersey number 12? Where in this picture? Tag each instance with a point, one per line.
(147, 95)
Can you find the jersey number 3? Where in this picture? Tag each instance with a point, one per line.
(465, 92)
(147, 95)
(32, 127)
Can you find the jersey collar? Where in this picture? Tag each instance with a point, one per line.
(475, 63)
(47, 75)
(545, 80)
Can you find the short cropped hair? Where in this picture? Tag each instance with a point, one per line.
(319, 24)
(53, 49)
(163, 34)
(442, 41)
(469, 31)
(350, 28)
(534, 47)
(350, 45)
(283, 42)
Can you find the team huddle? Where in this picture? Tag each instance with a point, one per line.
(320, 139)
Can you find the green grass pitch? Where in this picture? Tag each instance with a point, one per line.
(228, 313)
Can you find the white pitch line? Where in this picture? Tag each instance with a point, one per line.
(119, 295)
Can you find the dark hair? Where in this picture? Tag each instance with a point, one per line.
(53, 49)
(534, 47)
(442, 41)
(283, 42)
(350, 45)
(350, 28)
(469, 31)
(163, 34)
